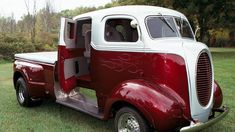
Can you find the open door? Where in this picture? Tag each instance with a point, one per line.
(73, 66)
(66, 54)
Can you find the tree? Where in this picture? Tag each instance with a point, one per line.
(162, 3)
(47, 25)
(76, 11)
(8, 24)
(207, 14)
(31, 19)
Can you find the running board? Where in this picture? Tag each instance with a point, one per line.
(83, 104)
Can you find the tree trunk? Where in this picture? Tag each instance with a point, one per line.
(34, 29)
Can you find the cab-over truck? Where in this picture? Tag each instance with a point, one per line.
(143, 63)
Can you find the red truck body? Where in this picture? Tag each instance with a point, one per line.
(153, 89)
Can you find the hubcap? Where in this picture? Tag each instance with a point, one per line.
(21, 94)
(128, 123)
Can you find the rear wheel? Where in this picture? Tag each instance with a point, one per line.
(129, 120)
(23, 96)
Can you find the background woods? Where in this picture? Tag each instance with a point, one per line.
(38, 29)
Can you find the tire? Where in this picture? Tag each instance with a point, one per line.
(128, 119)
(23, 96)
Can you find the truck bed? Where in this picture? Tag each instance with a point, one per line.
(44, 57)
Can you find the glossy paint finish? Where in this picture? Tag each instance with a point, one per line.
(153, 82)
(38, 76)
(169, 71)
(109, 69)
(188, 49)
(157, 77)
(155, 102)
(218, 96)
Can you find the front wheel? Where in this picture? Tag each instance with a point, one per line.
(23, 96)
(129, 120)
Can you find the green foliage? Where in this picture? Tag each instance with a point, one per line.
(11, 44)
(7, 50)
(7, 24)
(208, 14)
(76, 11)
(162, 3)
(11, 38)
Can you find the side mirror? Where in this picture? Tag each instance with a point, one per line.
(134, 24)
(197, 29)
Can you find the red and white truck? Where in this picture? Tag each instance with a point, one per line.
(143, 62)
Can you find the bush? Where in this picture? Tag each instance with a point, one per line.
(7, 50)
(12, 38)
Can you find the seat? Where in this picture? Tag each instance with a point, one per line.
(87, 51)
(112, 35)
(134, 35)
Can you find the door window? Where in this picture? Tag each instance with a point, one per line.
(120, 30)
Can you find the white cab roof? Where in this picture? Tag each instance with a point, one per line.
(134, 10)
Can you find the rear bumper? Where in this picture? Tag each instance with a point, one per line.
(223, 111)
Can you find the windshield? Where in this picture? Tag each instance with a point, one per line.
(184, 28)
(161, 27)
(168, 26)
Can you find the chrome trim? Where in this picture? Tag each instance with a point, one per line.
(199, 125)
(128, 123)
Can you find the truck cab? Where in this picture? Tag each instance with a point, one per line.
(146, 69)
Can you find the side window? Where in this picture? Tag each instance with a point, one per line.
(120, 30)
(70, 30)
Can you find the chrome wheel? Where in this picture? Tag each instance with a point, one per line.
(128, 123)
(21, 94)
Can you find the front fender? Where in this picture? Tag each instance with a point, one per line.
(218, 96)
(155, 102)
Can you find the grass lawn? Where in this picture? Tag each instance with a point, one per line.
(54, 117)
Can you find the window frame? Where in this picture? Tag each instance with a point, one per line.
(77, 33)
(193, 38)
(111, 43)
(146, 26)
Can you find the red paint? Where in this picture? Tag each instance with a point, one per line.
(160, 71)
(156, 103)
(38, 77)
(169, 70)
(109, 69)
(63, 54)
(218, 95)
(157, 83)
(154, 83)
(84, 81)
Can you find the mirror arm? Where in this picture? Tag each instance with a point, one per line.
(197, 29)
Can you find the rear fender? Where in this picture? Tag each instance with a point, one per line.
(17, 74)
(33, 76)
(32, 72)
(153, 101)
